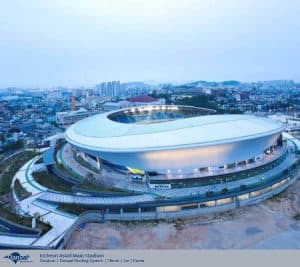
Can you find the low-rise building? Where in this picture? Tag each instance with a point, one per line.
(69, 117)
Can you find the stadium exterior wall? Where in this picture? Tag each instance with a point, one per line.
(187, 159)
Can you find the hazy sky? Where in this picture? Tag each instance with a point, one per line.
(73, 42)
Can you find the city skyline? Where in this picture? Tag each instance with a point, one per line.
(55, 43)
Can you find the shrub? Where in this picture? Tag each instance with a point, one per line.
(209, 193)
(243, 187)
(20, 191)
(224, 190)
(297, 217)
(13, 165)
(179, 224)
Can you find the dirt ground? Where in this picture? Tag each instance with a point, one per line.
(271, 224)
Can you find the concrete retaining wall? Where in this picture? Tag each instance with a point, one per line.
(96, 216)
(86, 217)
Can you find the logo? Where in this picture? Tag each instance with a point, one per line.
(17, 257)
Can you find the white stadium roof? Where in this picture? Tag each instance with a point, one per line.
(100, 133)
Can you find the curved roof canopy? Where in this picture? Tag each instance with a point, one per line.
(100, 133)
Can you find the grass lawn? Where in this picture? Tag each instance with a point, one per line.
(51, 181)
(74, 208)
(20, 191)
(10, 167)
(86, 185)
(69, 172)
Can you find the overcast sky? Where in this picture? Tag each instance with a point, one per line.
(73, 42)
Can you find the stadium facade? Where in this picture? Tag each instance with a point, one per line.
(175, 139)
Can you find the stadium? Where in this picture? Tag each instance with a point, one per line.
(177, 142)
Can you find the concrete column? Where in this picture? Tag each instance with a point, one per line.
(83, 156)
(139, 210)
(237, 202)
(99, 164)
(107, 210)
(157, 212)
(121, 210)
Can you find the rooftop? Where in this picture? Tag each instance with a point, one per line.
(143, 99)
(99, 132)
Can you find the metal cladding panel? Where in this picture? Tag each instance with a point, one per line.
(100, 133)
(187, 159)
(186, 143)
